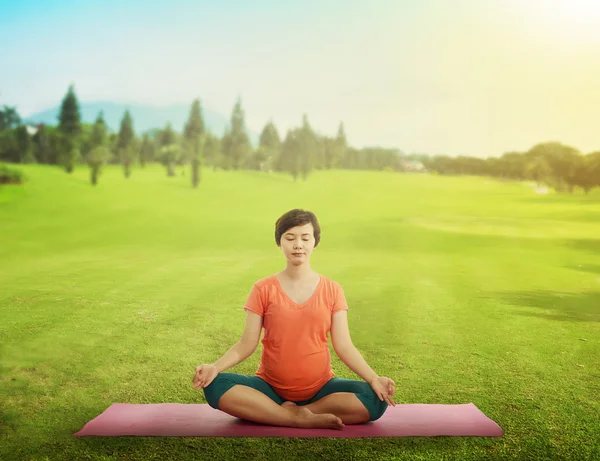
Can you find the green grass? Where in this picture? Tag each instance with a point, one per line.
(460, 289)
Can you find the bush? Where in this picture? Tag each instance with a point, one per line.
(10, 175)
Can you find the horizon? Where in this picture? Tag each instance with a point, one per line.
(527, 76)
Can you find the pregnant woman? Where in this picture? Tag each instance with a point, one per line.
(295, 385)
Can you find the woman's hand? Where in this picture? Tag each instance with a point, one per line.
(204, 376)
(385, 388)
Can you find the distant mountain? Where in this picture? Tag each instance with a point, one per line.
(145, 117)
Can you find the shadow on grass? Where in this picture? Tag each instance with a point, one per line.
(586, 245)
(578, 197)
(402, 235)
(556, 305)
(591, 268)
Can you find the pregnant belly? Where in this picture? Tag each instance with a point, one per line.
(299, 369)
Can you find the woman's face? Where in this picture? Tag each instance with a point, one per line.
(297, 243)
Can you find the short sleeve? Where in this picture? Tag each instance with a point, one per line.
(339, 303)
(255, 301)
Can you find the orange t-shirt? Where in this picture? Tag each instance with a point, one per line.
(295, 359)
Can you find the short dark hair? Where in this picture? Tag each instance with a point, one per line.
(293, 218)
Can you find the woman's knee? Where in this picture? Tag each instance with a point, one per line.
(221, 384)
(370, 400)
(378, 408)
(365, 394)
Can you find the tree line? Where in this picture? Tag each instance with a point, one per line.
(301, 151)
(73, 142)
(553, 164)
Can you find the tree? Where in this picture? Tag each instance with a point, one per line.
(169, 153)
(511, 165)
(41, 144)
(169, 156)
(112, 143)
(99, 132)
(291, 153)
(538, 169)
(325, 153)
(85, 138)
(257, 160)
(97, 157)
(269, 147)
(10, 150)
(9, 118)
(25, 144)
(193, 134)
(307, 140)
(126, 146)
(147, 150)
(226, 143)
(588, 172)
(70, 128)
(166, 136)
(9, 146)
(320, 151)
(351, 161)
(98, 153)
(236, 144)
(212, 151)
(338, 148)
(55, 144)
(16, 145)
(562, 161)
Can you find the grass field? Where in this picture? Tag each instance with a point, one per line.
(460, 289)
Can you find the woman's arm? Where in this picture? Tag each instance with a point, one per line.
(345, 349)
(244, 348)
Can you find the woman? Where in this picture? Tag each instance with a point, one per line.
(295, 385)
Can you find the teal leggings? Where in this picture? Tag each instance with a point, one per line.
(225, 381)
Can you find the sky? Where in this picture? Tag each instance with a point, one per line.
(452, 77)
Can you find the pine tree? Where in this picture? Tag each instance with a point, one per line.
(339, 147)
(25, 144)
(237, 146)
(291, 153)
(9, 117)
(166, 137)
(226, 143)
(70, 128)
(193, 134)
(147, 150)
(169, 151)
(308, 147)
(99, 131)
(211, 151)
(125, 145)
(42, 144)
(270, 145)
(99, 153)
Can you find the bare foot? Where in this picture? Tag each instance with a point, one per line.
(308, 419)
(305, 412)
(326, 421)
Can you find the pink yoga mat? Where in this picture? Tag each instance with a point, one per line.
(200, 420)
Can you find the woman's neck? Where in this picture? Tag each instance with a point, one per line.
(295, 273)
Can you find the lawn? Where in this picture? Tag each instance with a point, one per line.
(461, 289)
